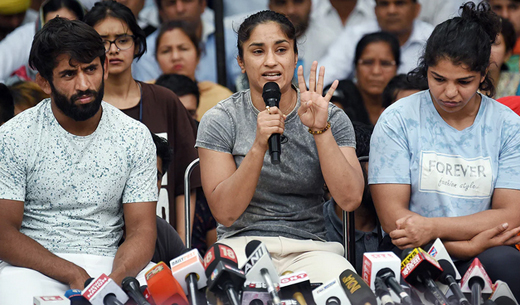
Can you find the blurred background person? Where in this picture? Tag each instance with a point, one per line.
(398, 17)
(400, 86)
(510, 9)
(376, 62)
(156, 107)
(6, 104)
(185, 88)
(178, 51)
(505, 82)
(26, 94)
(147, 68)
(12, 14)
(15, 48)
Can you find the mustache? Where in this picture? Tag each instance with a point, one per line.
(86, 93)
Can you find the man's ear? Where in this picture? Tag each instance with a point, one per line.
(417, 10)
(105, 65)
(43, 83)
(241, 64)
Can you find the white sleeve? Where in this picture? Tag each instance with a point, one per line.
(15, 50)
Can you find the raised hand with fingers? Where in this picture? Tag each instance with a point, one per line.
(313, 111)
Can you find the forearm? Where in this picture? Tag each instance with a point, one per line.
(134, 254)
(20, 250)
(466, 227)
(230, 198)
(460, 249)
(344, 179)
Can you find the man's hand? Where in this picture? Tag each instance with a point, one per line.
(497, 236)
(412, 231)
(79, 277)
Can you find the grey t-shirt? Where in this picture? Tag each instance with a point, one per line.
(289, 196)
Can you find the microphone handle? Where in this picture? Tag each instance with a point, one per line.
(476, 293)
(270, 287)
(110, 299)
(394, 285)
(275, 148)
(191, 280)
(435, 291)
(455, 289)
(232, 294)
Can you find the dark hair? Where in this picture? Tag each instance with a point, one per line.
(401, 82)
(104, 9)
(186, 27)
(262, 17)
(163, 151)
(54, 5)
(6, 104)
(463, 40)
(179, 84)
(61, 36)
(509, 34)
(390, 39)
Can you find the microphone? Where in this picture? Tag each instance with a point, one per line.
(420, 270)
(147, 295)
(51, 300)
(357, 291)
(259, 268)
(438, 251)
(476, 281)
(75, 297)
(189, 272)
(271, 94)
(447, 278)
(222, 271)
(385, 265)
(330, 293)
(164, 287)
(296, 286)
(255, 294)
(502, 294)
(104, 291)
(382, 292)
(131, 287)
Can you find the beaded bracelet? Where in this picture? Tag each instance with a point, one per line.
(312, 132)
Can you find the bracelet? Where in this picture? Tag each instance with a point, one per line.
(312, 132)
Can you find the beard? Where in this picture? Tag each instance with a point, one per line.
(80, 112)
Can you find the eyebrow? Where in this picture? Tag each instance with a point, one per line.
(261, 44)
(462, 78)
(117, 35)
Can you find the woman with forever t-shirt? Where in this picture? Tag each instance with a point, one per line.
(450, 157)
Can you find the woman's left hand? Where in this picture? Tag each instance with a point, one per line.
(314, 107)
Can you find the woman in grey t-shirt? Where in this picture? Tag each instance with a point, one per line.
(279, 204)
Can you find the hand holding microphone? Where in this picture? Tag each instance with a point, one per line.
(271, 95)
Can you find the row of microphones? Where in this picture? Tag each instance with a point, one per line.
(431, 278)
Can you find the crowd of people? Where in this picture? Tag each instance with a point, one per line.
(104, 105)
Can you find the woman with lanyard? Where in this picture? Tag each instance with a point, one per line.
(281, 205)
(156, 107)
(450, 156)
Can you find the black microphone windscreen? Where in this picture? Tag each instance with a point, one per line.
(88, 281)
(271, 90)
(447, 269)
(252, 245)
(405, 253)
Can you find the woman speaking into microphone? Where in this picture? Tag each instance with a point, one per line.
(280, 204)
